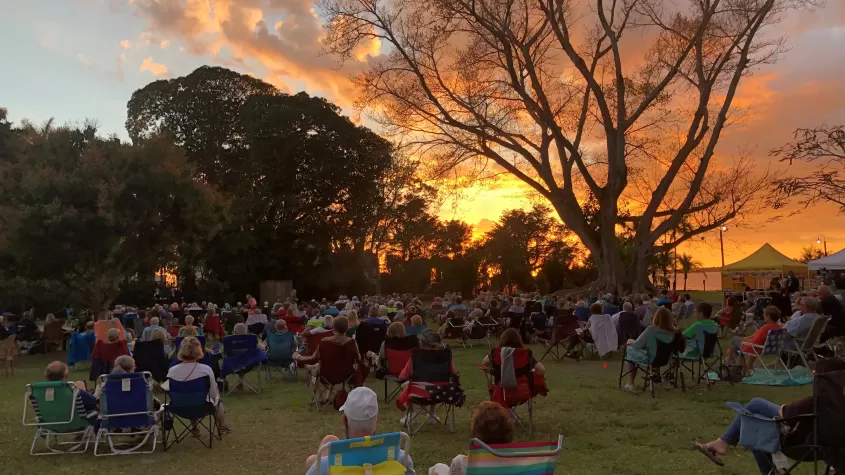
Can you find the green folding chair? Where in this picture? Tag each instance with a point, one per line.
(59, 418)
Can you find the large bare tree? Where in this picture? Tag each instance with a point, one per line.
(622, 99)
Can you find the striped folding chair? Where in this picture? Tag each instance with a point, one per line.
(519, 458)
(60, 418)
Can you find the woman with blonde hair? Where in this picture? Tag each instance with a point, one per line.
(395, 330)
(352, 317)
(663, 329)
(189, 369)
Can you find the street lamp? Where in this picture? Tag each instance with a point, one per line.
(821, 239)
(722, 229)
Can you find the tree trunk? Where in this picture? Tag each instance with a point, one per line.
(685, 282)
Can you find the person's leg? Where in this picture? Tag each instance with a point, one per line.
(220, 417)
(632, 376)
(757, 406)
(764, 462)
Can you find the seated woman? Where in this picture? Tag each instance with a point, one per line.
(663, 329)
(312, 362)
(510, 339)
(492, 424)
(759, 406)
(190, 352)
(741, 345)
(725, 315)
(395, 330)
(427, 340)
(189, 323)
(352, 317)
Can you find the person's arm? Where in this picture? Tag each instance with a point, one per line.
(642, 340)
(690, 331)
(798, 408)
(213, 391)
(382, 357)
(539, 369)
(486, 361)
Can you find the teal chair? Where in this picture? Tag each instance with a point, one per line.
(705, 352)
(59, 418)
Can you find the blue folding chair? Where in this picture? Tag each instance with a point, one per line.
(374, 454)
(79, 349)
(188, 406)
(178, 342)
(126, 411)
(241, 356)
(280, 349)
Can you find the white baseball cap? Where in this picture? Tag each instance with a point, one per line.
(361, 404)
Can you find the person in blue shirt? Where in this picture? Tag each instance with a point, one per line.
(148, 332)
(458, 305)
(799, 326)
(360, 417)
(664, 300)
(57, 371)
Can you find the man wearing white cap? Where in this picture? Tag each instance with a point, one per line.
(360, 417)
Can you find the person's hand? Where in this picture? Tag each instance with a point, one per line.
(630, 342)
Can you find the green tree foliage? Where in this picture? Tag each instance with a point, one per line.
(687, 264)
(810, 253)
(90, 212)
(305, 182)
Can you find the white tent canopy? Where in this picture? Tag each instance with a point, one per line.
(831, 262)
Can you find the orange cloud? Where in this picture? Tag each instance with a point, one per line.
(125, 44)
(154, 68)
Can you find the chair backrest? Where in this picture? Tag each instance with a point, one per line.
(629, 327)
(707, 340)
(538, 321)
(54, 331)
(583, 313)
(313, 340)
(382, 452)
(661, 351)
(294, 323)
(337, 362)
(280, 347)
(149, 357)
(534, 458)
(829, 400)
(370, 336)
(815, 333)
(431, 366)
(611, 309)
(565, 325)
(57, 405)
(79, 347)
(521, 365)
(173, 330)
(411, 330)
(256, 328)
(236, 345)
(460, 313)
(397, 352)
(188, 398)
(774, 341)
(178, 342)
(126, 400)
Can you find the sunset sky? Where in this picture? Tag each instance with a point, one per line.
(77, 59)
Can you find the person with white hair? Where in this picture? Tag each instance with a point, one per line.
(189, 323)
(154, 325)
(359, 419)
(190, 354)
(240, 329)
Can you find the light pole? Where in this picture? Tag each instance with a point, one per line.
(722, 229)
(823, 239)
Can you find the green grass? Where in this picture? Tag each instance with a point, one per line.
(711, 296)
(605, 430)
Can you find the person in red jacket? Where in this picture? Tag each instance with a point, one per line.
(772, 316)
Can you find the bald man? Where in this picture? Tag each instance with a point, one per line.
(57, 371)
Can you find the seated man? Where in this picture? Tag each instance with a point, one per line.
(360, 417)
(154, 325)
(799, 327)
(57, 371)
(703, 314)
(240, 329)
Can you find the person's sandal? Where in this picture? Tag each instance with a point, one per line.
(708, 453)
(224, 430)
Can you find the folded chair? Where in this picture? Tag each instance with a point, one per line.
(431, 368)
(806, 348)
(825, 442)
(384, 453)
(79, 350)
(706, 352)
(188, 406)
(565, 326)
(521, 390)
(280, 349)
(370, 336)
(518, 458)
(242, 356)
(337, 372)
(398, 353)
(149, 357)
(773, 346)
(126, 411)
(659, 354)
(60, 418)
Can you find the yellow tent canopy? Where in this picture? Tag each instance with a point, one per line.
(767, 259)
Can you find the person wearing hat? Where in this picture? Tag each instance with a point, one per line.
(360, 417)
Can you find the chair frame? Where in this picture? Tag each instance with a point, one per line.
(42, 430)
(242, 375)
(805, 347)
(651, 371)
(430, 410)
(705, 364)
(187, 428)
(759, 356)
(403, 439)
(272, 370)
(488, 373)
(106, 436)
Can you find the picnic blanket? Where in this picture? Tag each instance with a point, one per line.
(800, 376)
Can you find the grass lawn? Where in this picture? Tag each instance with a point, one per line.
(605, 431)
(710, 296)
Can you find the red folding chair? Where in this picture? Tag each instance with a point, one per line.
(173, 330)
(522, 393)
(398, 353)
(337, 371)
(294, 324)
(565, 327)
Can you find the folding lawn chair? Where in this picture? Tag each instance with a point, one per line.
(60, 418)
(173, 331)
(280, 350)
(523, 393)
(79, 350)
(706, 351)
(149, 357)
(188, 406)
(807, 347)
(455, 330)
(565, 326)
(477, 333)
(242, 356)
(375, 454)
(773, 346)
(582, 313)
(398, 353)
(518, 458)
(126, 411)
(256, 328)
(658, 354)
(370, 336)
(825, 442)
(337, 372)
(431, 368)
(294, 323)
(628, 327)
